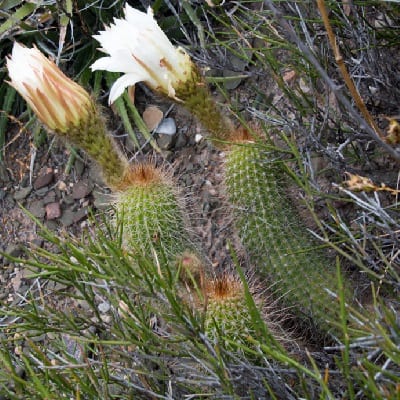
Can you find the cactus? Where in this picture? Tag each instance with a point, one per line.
(227, 311)
(92, 136)
(152, 217)
(279, 245)
(228, 316)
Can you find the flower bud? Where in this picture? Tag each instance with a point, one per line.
(65, 108)
(58, 102)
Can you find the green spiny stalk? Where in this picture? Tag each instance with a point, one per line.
(91, 136)
(229, 316)
(279, 245)
(227, 311)
(152, 216)
(196, 97)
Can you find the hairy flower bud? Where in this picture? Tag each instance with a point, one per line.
(65, 108)
(58, 102)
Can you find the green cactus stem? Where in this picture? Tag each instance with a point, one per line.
(279, 244)
(153, 220)
(196, 97)
(227, 310)
(91, 135)
(228, 316)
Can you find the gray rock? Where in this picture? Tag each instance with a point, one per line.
(23, 289)
(51, 225)
(103, 201)
(67, 218)
(166, 142)
(9, 201)
(37, 242)
(104, 307)
(166, 127)
(42, 191)
(14, 250)
(74, 349)
(68, 200)
(81, 190)
(95, 174)
(232, 82)
(37, 208)
(181, 140)
(50, 197)
(238, 66)
(79, 167)
(22, 193)
(80, 214)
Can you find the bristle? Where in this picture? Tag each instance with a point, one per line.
(225, 287)
(142, 174)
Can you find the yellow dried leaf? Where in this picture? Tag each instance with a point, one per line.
(131, 93)
(393, 132)
(358, 183)
(288, 76)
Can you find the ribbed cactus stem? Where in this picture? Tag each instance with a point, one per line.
(196, 97)
(227, 311)
(278, 242)
(92, 137)
(153, 220)
(229, 317)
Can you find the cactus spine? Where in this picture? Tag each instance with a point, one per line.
(279, 246)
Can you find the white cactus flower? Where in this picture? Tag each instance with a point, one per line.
(138, 47)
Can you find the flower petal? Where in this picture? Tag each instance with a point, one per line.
(121, 84)
(137, 46)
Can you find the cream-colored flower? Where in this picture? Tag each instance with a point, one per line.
(65, 108)
(139, 48)
(59, 103)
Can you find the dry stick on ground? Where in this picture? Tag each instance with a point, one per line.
(343, 70)
(288, 29)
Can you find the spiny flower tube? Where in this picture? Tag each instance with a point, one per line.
(138, 48)
(65, 108)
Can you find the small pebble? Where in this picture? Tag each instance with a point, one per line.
(53, 210)
(167, 127)
(22, 193)
(81, 190)
(104, 307)
(44, 179)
